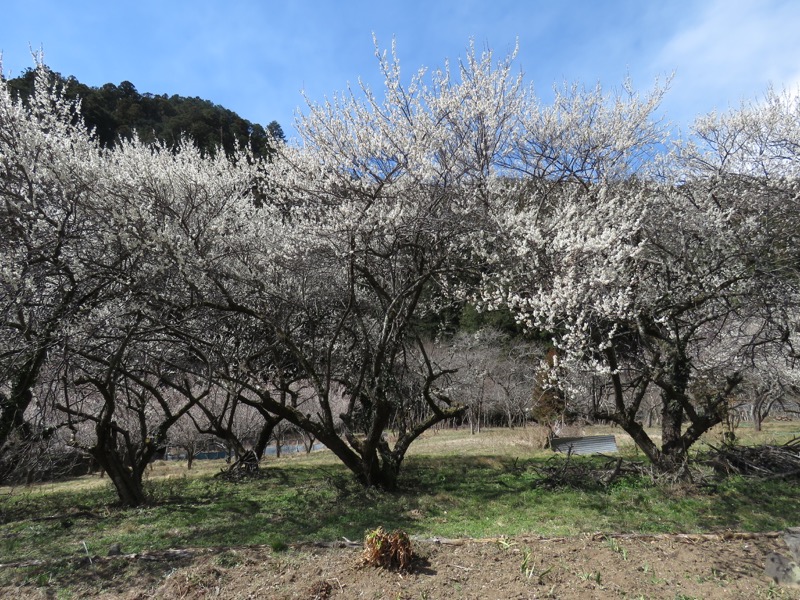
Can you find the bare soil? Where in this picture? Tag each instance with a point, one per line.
(637, 566)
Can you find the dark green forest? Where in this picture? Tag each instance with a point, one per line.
(115, 112)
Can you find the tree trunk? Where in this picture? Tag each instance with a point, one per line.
(381, 467)
(127, 483)
(761, 408)
(671, 425)
(387, 474)
(13, 406)
(264, 437)
(756, 420)
(308, 441)
(12, 409)
(673, 448)
(639, 436)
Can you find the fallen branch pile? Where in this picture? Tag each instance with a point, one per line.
(756, 461)
(556, 473)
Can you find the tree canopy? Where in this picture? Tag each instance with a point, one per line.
(142, 284)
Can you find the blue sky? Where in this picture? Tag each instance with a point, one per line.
(255, 57)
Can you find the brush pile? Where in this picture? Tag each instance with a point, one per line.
(558, 473)
(756, 461)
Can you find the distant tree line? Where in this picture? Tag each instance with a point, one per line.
(116, 112)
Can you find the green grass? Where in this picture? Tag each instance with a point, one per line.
(452, 485)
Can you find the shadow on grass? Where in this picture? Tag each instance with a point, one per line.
(477, 496)
(742, 504)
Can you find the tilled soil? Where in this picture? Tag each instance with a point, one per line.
(664, 566)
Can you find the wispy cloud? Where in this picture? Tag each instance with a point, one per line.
(731, 50)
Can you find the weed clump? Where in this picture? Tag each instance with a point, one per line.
(390, 551)
(321, 590)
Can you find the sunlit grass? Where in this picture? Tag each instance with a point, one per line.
(453, 484)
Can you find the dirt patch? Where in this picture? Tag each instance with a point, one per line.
(670, 567)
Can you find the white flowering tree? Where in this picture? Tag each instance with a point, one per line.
(97, 248)
(355, 235)
(749, 160)
(49, 168)
(162, 214)
(670, 283)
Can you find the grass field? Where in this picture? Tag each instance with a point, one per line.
(453, 485)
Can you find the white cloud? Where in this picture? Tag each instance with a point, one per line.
(732, 50)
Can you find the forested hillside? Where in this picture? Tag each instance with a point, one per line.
(117, 111)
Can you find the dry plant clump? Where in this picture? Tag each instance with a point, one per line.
(388, 550)
(321, 590)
